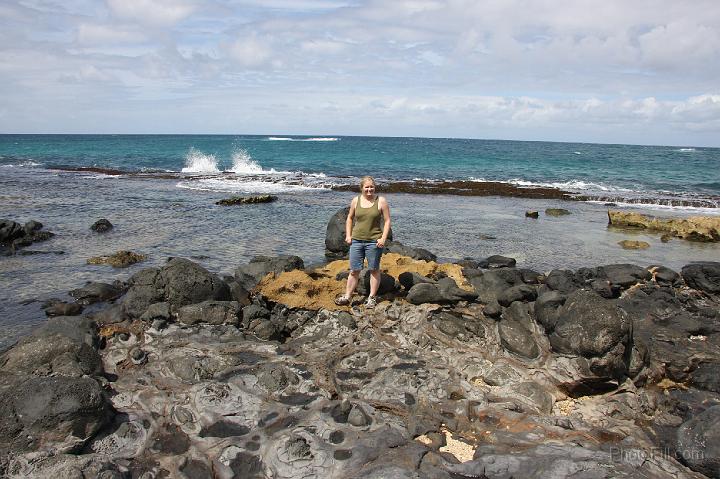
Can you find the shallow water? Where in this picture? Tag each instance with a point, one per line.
(155, 217)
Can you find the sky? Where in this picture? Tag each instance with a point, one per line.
(606, 71)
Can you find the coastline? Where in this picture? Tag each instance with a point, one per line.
(468, 365)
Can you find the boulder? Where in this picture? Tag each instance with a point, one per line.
(335, 245)
(387, 283)
(51, 413)
(96, 292)
(703, 276)
(698, 442)
(452, 293)
(496, 261)
(596, 329)
(101, 226)
(532, 214)
(562, 280)
(249, 275)
(14, 236)
(489, 285)
(157, 311)
(63, 346)
(515, 328)
(408, 279)
(693, 228)
(424, 293)
(189, 283)
(521, 292)
(546, 309)
(623, 276)
(56, 307)
(664, 275)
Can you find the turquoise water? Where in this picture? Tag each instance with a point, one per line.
(161, 211)
(605, 171)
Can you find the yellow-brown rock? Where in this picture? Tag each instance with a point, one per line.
(317, 289)
(632, 244)
(121, 259)
(693, 228)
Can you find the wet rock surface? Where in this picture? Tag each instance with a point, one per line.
(247, 200)
(694, 228)
(497, 373)
(14, 236)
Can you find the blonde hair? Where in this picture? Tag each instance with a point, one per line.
(364, 179)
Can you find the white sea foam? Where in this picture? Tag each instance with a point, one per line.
(285, 138)
(198, 162)
(664, 207)
(577, 152)
(236, 185)
(23, 164)
(244, 164)
(686, 150)
(572, 185)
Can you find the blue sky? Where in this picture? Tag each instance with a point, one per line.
(599, 71)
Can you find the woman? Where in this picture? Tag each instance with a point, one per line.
(366, 238)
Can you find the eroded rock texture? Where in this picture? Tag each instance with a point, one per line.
(600, 372)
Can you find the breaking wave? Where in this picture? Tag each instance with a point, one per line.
(198, 162)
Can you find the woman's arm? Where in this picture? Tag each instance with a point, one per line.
(385, 209)
(349, 221)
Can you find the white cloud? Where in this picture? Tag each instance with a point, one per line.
(152, 12)
(92, 34)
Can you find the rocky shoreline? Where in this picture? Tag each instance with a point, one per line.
(474, 369)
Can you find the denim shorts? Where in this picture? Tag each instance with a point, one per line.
(361, 249)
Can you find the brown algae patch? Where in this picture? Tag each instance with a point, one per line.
(316, 289)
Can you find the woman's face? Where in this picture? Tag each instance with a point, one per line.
(368, 188)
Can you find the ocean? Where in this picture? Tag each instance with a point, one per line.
(160, 192)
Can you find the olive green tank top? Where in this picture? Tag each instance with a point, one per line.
(367, 221)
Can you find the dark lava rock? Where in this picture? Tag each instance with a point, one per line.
(247, 200)
(101, 226)
(409, 279)
(664, 275)
(95, 292)
(424, 293)
(594, 328)
(63, 308)
(451, 292)
(461, 328)
(492, 310)
(249, 275)
(64, 345)
(335, 245)
(556, 212)
(532, 214)
(706, 376)
(45, 413)
(496, 261)
(547, 309)
(189, 283)
(515, 331)
(211, 312)
(157, 311)
(561, 280)
(624, 276)
(522, 292)
(698, 442)
(493, 282)
(387, 283)
(253, 312)
(14, 236)
(703, 276)
(180, 282)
